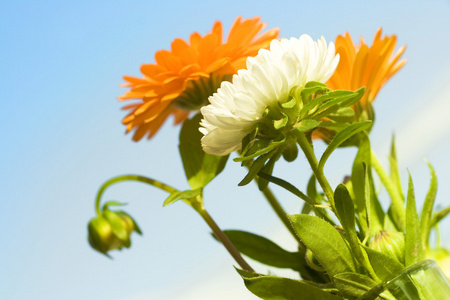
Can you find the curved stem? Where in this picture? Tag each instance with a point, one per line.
(139, 178)
(198, 206)
(308, 150)
(397, 206)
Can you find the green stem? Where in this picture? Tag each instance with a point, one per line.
(308, 150)
(117, 179)
(281, 213)
(397, 206)
(198, 206)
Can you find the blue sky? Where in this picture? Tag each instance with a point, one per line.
(62, 137)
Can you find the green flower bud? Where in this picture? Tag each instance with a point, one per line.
(391, 243)
(111, 230)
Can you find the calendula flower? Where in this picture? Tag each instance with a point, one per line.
(236, 107)
(361, 65)
(181, 79)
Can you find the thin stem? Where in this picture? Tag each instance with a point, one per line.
(308, 150)
(397, 206)
(139, 178)
(281, 213)
(198, 206)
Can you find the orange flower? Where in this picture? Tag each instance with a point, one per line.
(182, 79)
(361, 65)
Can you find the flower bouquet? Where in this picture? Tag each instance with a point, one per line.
(269, 99)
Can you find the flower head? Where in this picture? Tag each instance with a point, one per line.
(237, 107)
(181, 79)
(361, 65)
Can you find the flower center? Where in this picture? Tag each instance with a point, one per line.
(197, 92)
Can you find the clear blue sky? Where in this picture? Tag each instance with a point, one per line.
(61, 63)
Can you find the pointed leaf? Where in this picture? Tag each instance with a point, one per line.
(306, 125)
(427, 210)
(353, 284)
(178, 195)
(341, 137)
(395, 174)
(279, 288)
(346, 212)
(256, 166)
(288, 186)
(264, 250)
(414, 251)
(325, 242)
(112, 203)
(384, 266)
(200, 167)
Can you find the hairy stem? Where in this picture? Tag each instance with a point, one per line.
(308, 150)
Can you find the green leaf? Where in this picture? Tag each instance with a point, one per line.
(306, 125)
(354, 285)
(266, 148)
(395, 174)
(367, 205)
(440, 215)
(178, 195)
(200, 167)
(247, 274)
(256, 166)
(264, 250)
(414, 251)
(346, 212)
(279, 288)
(427, 210)
(325, 242)
(339, 99)
(344, 114)
(112, 203)
(384, 266)
(286, 185)
(341, 137)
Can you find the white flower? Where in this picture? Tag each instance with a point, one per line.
(236, 107)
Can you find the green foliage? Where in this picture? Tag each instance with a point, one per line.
(414, 250)
(325, 242)
(264, 250)
(395, 173)
(385, 267)
(346, 213)
(341, 137)
(353, 285)
(279, 288)
(427, 210)
(200, 167)
(179, 195)
(288, 186)
(368, 208)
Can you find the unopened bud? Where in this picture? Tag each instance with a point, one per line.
(391, 243)
(111, 230)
